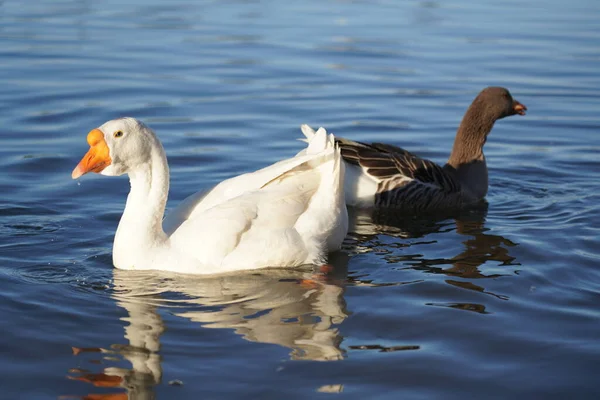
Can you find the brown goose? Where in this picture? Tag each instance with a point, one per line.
(383, 175)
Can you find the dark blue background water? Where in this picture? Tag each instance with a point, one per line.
(500, 303)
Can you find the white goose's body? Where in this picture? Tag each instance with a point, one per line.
(288, 214)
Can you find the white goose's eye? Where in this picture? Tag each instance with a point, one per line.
(118, 134)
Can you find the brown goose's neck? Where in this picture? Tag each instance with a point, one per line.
(471, 136)
(467, 161)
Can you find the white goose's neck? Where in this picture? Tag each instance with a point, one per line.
(140, 229)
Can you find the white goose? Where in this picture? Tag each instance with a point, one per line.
(285, 215)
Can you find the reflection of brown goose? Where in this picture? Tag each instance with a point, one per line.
(479, 247)
(383, 175)
(297, 309)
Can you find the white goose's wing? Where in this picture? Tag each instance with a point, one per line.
(290, 218)
(233, 187)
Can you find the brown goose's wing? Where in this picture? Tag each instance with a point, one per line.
(389, 148)
(404, 179)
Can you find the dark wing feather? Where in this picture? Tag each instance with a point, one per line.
(389, 148)
(428, 184)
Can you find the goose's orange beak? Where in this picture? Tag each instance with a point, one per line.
(519, 108)
(97, 158)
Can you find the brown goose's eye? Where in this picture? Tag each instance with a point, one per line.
(118, 134)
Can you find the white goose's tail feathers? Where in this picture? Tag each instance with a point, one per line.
(326, 218)
(321, 148)
(319, 141)
(308, 132)
(324, 223)
(323, 144)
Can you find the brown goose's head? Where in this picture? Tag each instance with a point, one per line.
(498, 103)
(491, 104)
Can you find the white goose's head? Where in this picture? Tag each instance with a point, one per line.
(116, 148)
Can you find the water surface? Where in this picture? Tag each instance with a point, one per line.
(500, 301)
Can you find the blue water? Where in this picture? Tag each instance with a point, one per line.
(493, 303)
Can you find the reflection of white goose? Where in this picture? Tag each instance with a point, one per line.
(284, 307)
(298, 309)
(143, 334)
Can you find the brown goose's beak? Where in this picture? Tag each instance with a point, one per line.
(97, 158)
(519, 108)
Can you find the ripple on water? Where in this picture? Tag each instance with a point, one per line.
(94, 275)
(42, 274)
(9, 209)
(27, 229)
(500, 302)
